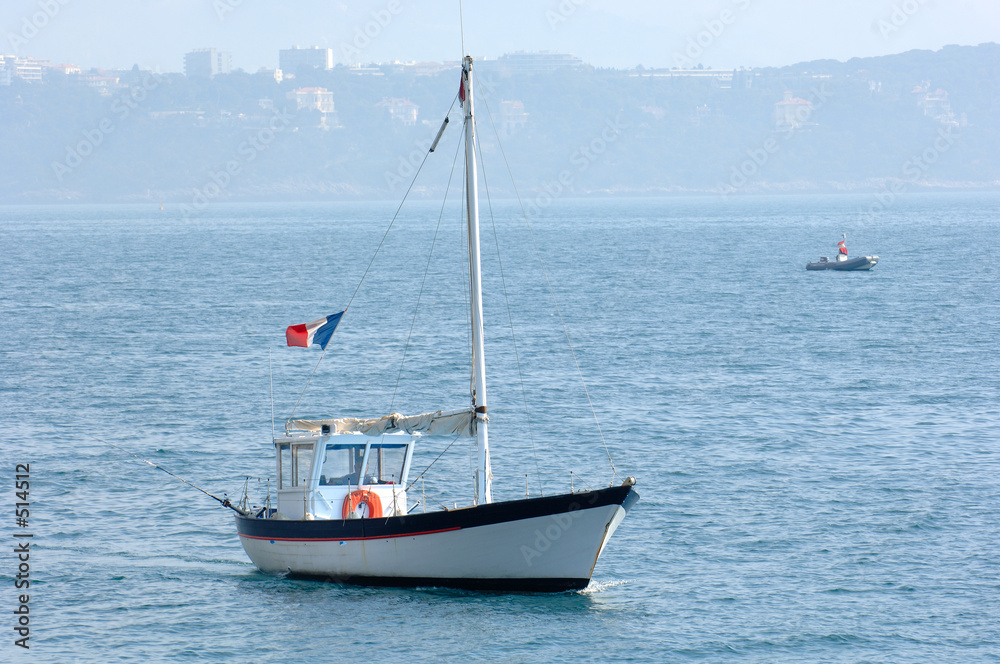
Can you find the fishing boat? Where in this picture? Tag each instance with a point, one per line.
(342, 511)
(842, 262)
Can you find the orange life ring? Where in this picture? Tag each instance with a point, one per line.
(369, 498)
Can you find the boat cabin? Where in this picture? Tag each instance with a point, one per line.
(342, 476)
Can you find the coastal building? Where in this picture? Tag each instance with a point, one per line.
(722, 78)
(294, 58)
(365, 70)
(935, 105)
(792, 111)
(66, 69)
(316, 99)
(276, 74)
(523, 63)
(104, 82)
(26, 69)
(6, 69)
(400, 110)
(421, 68)
(513, 117)
(207, 62)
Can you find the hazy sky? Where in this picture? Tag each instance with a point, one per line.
(612, 33)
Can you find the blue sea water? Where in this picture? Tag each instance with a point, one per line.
(818, 454)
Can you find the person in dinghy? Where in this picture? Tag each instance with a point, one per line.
(842, 249)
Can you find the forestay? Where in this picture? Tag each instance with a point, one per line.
(459, 422)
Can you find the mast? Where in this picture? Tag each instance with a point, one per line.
(483, 476)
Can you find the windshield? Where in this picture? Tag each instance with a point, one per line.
(344, 464)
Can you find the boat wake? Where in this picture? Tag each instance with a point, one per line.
(601, 586)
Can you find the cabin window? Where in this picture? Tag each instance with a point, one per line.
(342, 465)
(294, 465)
(385, 464)
(284, 466)
(302, 456)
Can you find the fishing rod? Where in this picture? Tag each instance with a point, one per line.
(225, 501)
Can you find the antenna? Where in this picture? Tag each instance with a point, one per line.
(270, 375)
(461, 25)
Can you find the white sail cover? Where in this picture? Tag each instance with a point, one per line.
(461, 422)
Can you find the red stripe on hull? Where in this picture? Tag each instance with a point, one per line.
(345, 539)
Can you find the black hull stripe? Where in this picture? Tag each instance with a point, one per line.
(547, 585)
(408, 525)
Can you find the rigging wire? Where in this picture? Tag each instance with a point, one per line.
(510, 318)
(555, 303)
(372, 261)
(423, 281)
(386, 234)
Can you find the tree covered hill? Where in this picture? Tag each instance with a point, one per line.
(928, 119)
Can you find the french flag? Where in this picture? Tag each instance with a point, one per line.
(317, 332)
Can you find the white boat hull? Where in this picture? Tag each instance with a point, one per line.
(552, 551)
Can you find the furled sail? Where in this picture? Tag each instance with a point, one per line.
(461, 422)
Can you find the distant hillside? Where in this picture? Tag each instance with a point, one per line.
(919, 119)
